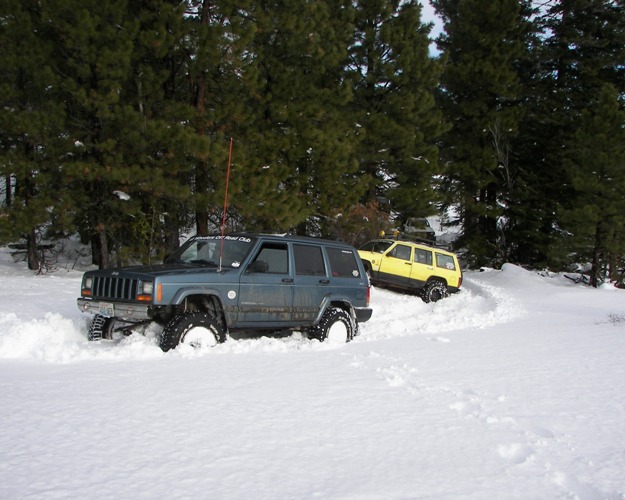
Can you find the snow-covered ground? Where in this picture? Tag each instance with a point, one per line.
(513, 388)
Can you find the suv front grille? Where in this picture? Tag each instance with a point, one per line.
(114, 288)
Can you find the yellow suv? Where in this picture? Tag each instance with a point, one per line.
(431, 272)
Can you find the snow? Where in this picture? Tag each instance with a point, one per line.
(122, 195)
(512, 388)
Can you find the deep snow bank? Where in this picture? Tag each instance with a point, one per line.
(41, 321)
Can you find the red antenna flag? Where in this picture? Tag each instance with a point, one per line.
(223, 218)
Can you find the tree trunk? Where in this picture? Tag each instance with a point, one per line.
(8, 192)
(201, 222)
(95, 249)
(596, 261)
(172, 234)
(99, 247)
(31, 251)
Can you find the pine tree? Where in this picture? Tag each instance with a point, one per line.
(326, 165)
(117, 67)
(482, 45)
(32, 139)
(596, 160)
(234, 73)
(395, 113)
(528, 227)
(296, 138)
(165, 146)
(93, 47)
(216, 37)
(582, 49)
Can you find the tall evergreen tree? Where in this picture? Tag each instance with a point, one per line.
(265, 191)
(531, 228)
(130, 134)
(215, 42)
(326, 165)
(582, 49)
(296, 137)
(596, 160)
(94, 45)
(165, 146)
(482, 45)
(394, 109)
(585, 53)
(32, 139)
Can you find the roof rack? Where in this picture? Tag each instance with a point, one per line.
(398, 236)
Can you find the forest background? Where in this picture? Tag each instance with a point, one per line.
(117, 119)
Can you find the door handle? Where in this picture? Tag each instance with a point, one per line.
(287, 280)
(324, 282)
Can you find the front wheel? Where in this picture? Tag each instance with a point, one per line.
(434, 291)
(336, 326)
(198, 330)
(101, 328)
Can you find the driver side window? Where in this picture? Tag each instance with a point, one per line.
(400, 252)
(273, 258)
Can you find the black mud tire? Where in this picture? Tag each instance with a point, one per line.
(336, 322)
(434, 291)
(181, 328)
(100, 328)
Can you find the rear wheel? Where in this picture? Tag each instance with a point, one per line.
(336, 326)
(434, 291)
(197, 329)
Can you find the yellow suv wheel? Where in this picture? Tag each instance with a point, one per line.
(434, 291)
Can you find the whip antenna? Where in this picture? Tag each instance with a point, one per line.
(223, 217)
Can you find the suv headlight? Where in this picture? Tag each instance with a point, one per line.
(145, 291)
(87, 285)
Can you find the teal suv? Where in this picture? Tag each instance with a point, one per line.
(213, 286)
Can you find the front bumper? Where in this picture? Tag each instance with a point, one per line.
(122, 310)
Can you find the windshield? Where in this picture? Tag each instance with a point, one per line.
(207, 250)
(379, 246)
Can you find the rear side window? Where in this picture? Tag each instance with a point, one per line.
(309, 260)
(343, 263)
(445, 261)
(422, 256)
